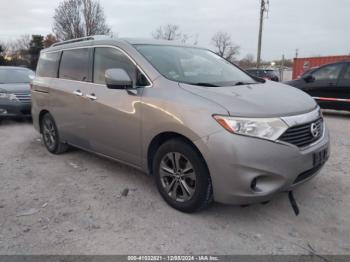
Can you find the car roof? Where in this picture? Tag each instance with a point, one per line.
(312, 69)
(150, 41)
(106, 40)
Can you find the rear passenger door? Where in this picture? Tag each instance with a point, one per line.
(115, 125)
(69, 105)
(324, 81)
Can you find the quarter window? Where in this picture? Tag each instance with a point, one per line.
(48, 64)
(330, 72)
(75, 65)
(108, 58)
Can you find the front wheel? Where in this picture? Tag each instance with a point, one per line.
(182, 176)
(51, 136)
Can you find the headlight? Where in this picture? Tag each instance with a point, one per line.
(267, 128)
(11, 97)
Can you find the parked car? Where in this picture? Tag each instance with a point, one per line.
(268, 74)
(303, 64)
(15, 98)
(328, 84)
(203, 127)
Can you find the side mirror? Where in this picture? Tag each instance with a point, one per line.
(117, 78)
(309, 79)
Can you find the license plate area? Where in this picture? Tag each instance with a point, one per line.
(320, 157)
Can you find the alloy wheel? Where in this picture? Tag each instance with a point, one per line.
(49, 132)
(178, 176)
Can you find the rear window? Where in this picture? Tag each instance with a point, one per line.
(253, 72)
(271, 73)
(15, 76)
(75, 65)
(48, 64)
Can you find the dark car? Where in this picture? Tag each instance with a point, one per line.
(268, 74)
(328, 84)
(15, 98)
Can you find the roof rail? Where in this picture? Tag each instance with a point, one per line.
(85, 38)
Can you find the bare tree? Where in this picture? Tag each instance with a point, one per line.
(247, 62)
(172, 32)
(189, 39)
(2, 54)
(22, 43)
(49, 40)
(19, 49)
(167, 32)
(78, 18)
(224, 46)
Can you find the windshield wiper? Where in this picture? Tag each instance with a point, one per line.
(240, 83)
(205, 84)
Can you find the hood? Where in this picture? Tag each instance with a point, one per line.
(15, 88)
(269, 99)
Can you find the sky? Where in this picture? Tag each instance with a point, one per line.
(314, 27)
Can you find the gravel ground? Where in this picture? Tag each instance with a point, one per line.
(75, 203)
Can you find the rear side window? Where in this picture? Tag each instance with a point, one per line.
(108, 58)
(48, 64)
(330, 72)
(75, 65)
(347, 73)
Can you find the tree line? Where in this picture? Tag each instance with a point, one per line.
(25, 50)
(79, 18)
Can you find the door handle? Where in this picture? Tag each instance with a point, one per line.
(78, 93)
(91, 96)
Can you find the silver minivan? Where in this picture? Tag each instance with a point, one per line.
(204, 128)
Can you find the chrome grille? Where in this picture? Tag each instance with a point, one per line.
(24, 98)
(301, 135)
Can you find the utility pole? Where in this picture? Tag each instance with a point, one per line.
(282, 68)
(263, 8)
(296, 53)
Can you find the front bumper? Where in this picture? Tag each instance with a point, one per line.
(10, 109)
(236, 162)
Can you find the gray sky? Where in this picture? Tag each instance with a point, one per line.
(315, 27)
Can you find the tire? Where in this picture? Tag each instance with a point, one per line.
(50, 135)
(187, 185)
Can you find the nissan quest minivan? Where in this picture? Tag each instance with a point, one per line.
(204, 128)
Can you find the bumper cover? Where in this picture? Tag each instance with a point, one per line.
(14, 109)
(238, 163)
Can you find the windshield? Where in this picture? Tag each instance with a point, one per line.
(15, 76)
(262, 72)
(193, 65)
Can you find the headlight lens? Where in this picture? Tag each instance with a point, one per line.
(11, 97)
(267, 128)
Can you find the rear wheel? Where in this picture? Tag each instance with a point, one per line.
(182, 176)
(51, 136)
